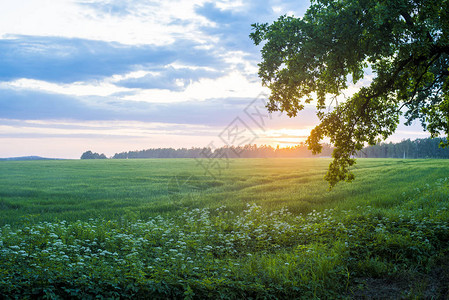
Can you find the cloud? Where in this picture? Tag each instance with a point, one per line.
(215, 36)
(170, 78)
(12, 128)
(32, 105)
(218, 112)
(65, 60)
(123, 21)
(119, 8)
(233, 24)
(232, 27)
(36, 105)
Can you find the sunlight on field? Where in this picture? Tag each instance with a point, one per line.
(73, 190)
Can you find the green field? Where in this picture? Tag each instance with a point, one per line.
(265, 228)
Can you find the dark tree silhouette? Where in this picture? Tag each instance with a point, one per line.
(90, 155)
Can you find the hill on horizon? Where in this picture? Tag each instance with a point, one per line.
(29, 158)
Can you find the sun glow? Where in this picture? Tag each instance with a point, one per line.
(285, 137)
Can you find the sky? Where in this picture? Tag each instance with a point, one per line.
(120, 75)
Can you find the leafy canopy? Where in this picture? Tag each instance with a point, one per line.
(403, 42)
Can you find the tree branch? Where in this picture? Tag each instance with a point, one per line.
(409, 21)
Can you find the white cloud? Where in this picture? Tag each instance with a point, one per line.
(232, 85)
(149, 24)
(97, 88)
(230, 4)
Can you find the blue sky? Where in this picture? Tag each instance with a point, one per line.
(119, 75)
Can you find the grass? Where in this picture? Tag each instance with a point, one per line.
(79, 190)
(266, 228)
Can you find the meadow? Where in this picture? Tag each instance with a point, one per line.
(264, 229)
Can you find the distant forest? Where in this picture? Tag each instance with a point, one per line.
(419, 148)
(247, 151)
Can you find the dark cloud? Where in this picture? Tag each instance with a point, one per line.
(65, 60)
(33, 105)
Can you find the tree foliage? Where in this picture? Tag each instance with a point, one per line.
(403, 43)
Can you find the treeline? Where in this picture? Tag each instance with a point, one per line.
(419, 148)
(247, 151)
